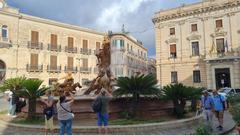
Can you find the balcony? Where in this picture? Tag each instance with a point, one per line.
(34, 68)
(85, 70)
(71, 50)
(53, 69)
(85, 51)
(118, 49)
(96, 51)
(5, 42)
(70, 69)
(56, 48)
(35, 45)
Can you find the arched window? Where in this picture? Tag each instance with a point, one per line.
(5, 31)
(2, 70)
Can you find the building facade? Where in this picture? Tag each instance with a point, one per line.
(128, 55)
(45, 49)
(198, 44)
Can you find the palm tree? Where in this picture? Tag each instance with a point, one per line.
(13, 84)
(179, 94)
(31, 90)
(136, 86)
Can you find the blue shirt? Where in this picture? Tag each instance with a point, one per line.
(217, 100)
(207, 102)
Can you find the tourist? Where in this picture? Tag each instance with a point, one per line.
(207, 106)
(15, 100)
(8, 95)
(65, 116)
(103, 116)
(49, 112)
(219, 107)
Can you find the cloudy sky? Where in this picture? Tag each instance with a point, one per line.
(103, 15)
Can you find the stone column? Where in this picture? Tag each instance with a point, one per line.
(209, 76)
(236, 74)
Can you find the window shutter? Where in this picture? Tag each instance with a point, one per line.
(53, 41)
(85, 63)
(70, 42)
(34, 36)
(70, 62)
(220, 45)
(34, 60)
(53, 61)
(173, 48)
(194, 27)
(219, 23)
(97, 45)
(85, 44)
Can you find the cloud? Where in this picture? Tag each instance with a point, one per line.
(103, 15)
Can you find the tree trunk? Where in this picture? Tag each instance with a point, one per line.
(134, 106)
(32, 108)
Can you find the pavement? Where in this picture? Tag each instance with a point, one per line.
(228, 125)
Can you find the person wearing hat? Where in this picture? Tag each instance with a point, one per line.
(207, 107)
(219, 107)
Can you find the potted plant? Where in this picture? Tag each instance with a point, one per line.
(235, 109)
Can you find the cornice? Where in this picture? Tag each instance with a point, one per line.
(185, 13)
(172, 40)
(194, 36)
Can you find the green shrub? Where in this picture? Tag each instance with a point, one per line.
(202, 130)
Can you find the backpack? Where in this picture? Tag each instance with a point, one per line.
(97, 105)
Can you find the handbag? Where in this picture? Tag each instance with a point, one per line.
(72, 114)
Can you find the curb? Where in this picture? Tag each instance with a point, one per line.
(114, 129)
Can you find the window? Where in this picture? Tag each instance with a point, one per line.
(85, 63)
(196, 76)
(5, 31)
(70, 42)
(34, 37)
(174, 77)
(172, 31)
(128, 47)
(194, 27)
(220, 45)
(53, 62)
(85, 81)
(53, 41)
(34, 61)
(173, 51)
(195, 48)
(85, 44)
(70, 63)
(119, 43)
(52, 80)
(131, 48)
(98, 45)
(219, 23)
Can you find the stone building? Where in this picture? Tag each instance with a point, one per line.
(128, 55)
(41, 48)
(198, 44)
(151, 66)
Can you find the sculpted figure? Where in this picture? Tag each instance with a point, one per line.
(68, 86)
(105, 76)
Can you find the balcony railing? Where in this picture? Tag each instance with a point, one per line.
(85, 69)
(71, 50)
(53, 69)
(34, 68)
(35, 45)
(118, 49)
(56, 48)
(70, 69)
(85, 51)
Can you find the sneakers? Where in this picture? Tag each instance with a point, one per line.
(14, 116)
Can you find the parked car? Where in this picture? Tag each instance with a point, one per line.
(226, 91)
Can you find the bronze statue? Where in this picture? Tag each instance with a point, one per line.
(67, 87)
(105, 76)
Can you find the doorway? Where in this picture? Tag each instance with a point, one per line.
(222, 77)
(2, 71)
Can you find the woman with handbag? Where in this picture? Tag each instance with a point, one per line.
(65, 116)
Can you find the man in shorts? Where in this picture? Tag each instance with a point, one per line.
(103, 116)
(219, 107)
(49, 119)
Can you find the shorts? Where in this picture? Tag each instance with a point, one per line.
(219, 114)
(102, 119)
(49, 123)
